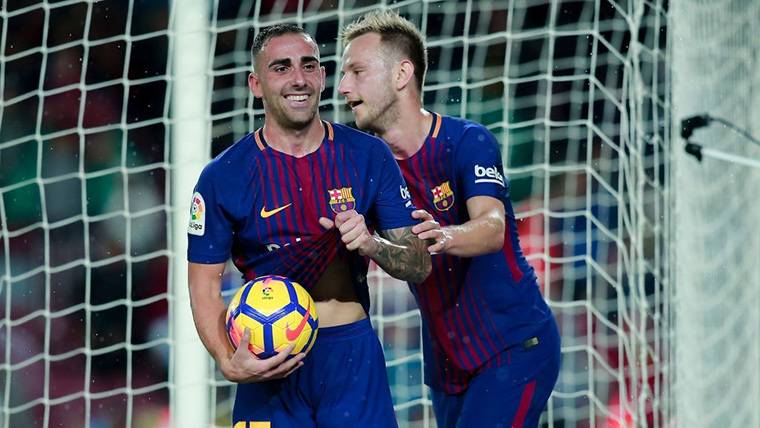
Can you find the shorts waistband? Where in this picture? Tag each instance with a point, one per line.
(345, 331)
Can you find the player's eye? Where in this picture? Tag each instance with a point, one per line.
(280, 69)
(309, 67)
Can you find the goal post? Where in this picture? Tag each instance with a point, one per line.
(190, 94)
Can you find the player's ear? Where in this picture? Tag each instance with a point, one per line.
(324, 78)
(254, 84)
(404, 74)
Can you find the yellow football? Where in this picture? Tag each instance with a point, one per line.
(277, 311)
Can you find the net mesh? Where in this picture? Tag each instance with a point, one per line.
(578, 91)
(715, 60)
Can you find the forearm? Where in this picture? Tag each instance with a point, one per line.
(208, 309)
(402, 256)
(476, 237)
(208, 314)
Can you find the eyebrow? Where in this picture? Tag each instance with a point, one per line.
(353, 64)
(287, 62)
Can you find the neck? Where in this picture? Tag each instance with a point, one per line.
(408, 134)
(296, 142)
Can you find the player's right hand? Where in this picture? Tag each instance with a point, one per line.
(244, 367)
(353, 231)
(430, 230)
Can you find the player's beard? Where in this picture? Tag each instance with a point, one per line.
(378, 116)
(290, 118)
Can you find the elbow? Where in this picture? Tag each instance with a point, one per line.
(495, 241)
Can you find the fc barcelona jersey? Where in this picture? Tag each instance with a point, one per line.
(261, 206)
(472, 308)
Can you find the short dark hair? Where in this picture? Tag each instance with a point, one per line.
(267, 33)
(396, 32)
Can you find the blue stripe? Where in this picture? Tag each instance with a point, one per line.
(268, 343)
(263, 319)
(291, 292)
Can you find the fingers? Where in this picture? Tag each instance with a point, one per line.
(417, 229)
(245, 340)
(298, 365)
(340, 218)
(326, 223)
(344, 216)
(352, 238)
(438, 247)
(247, 368)
(279, 358)
(422, 215)
(353, 230)
(287, 367)
(433, 234)
(436, 239)
(346, 224)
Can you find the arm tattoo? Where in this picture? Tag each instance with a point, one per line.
(403, 255)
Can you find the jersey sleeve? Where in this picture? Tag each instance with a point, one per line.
(393, 207)
(479, 166)
(209, 231)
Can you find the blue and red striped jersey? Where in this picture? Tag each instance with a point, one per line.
(472, 308)
(262, 207)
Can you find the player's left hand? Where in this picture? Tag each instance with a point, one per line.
(353, 231)
(432, 231)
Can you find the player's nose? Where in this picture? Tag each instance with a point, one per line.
(344, 86)
(299, 77)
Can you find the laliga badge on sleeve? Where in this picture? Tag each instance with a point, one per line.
(197, 216)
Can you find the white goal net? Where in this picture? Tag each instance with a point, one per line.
(110, 107)
(716, 72)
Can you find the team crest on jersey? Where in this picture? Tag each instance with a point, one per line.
(197, 216)
(341, 199)
(443, 196)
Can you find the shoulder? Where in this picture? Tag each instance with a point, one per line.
(228, 164)
(358, 141)
(353, 136)
(464, 131)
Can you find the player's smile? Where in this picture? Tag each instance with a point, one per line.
(298, 100)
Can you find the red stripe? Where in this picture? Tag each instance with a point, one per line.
(265, 171)
(288, 196)
(317, 183)
(299, 210)
(446, 278)
(509, 252)
(426, 292)
(309, 214)
(442, 276)
(471, 329)
(436, 289)
(334, 166)
(473, 303)
(522, 411)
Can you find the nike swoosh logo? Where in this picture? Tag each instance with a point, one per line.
(266, 214)
(292, 335)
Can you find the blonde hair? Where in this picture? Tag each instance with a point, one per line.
(396, 33)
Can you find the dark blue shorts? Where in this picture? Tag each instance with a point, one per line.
(511, 395)
(343, 383)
